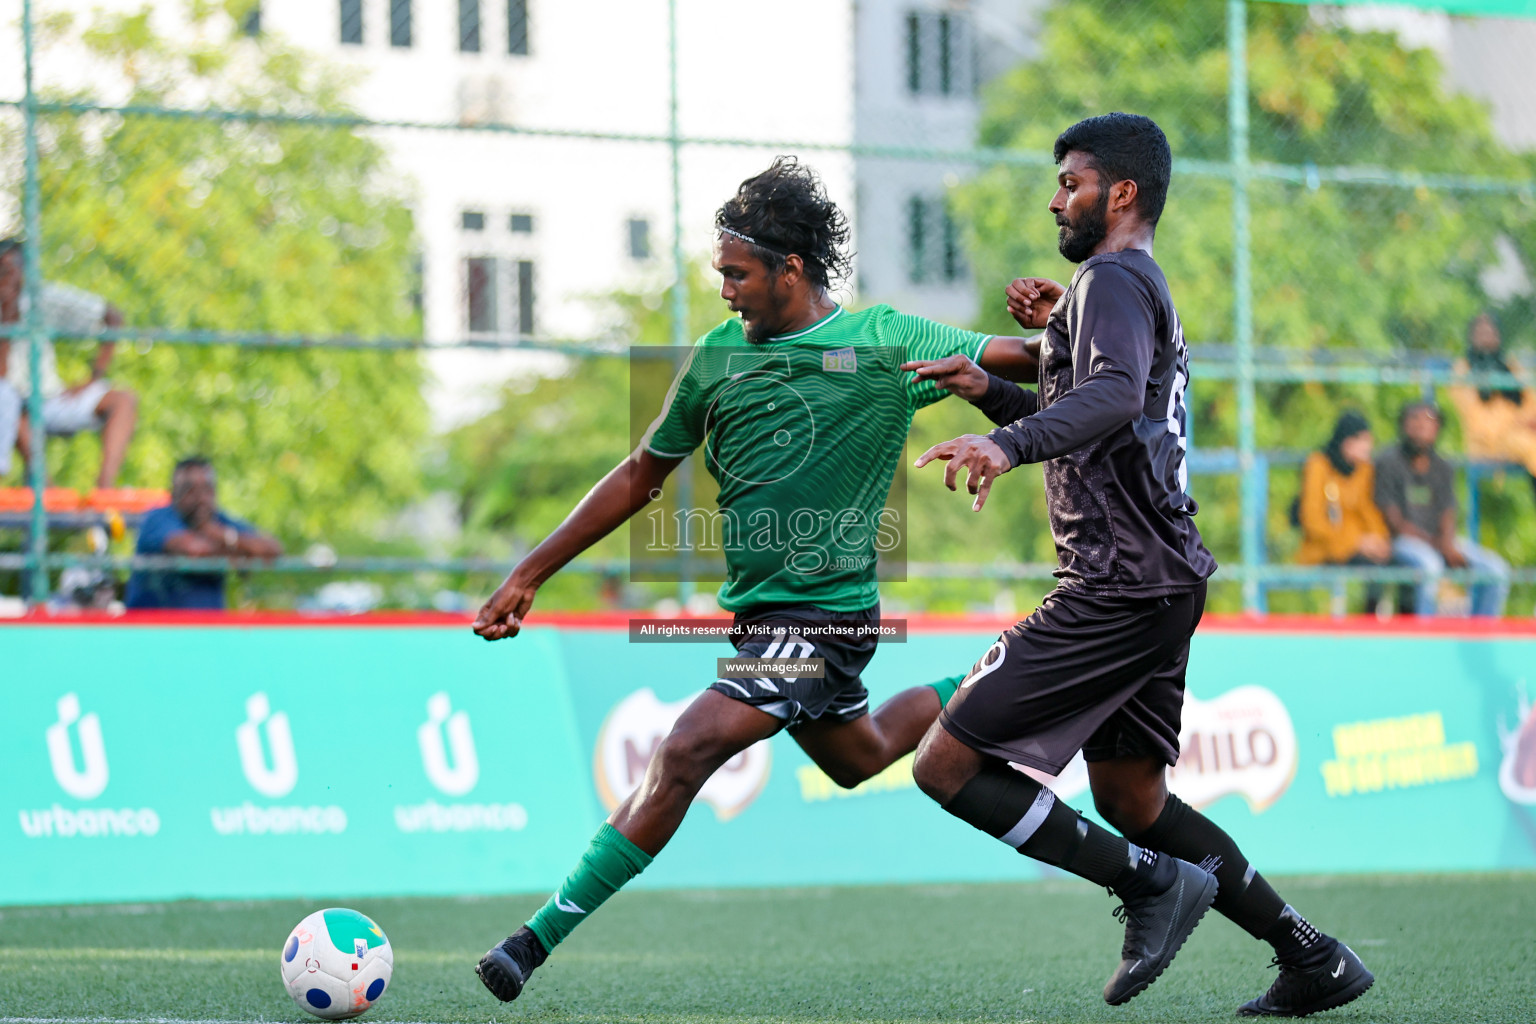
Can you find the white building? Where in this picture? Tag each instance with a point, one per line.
(919, 66)
(522, 235)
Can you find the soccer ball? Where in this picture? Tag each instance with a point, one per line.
(336, 963)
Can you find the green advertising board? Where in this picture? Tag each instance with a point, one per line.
(159, 762)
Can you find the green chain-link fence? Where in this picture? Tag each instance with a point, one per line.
(401, 338)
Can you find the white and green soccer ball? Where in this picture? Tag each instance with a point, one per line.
(337, 963)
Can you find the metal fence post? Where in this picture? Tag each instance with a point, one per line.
(680, 337)
(1242, 291)
(33, 328)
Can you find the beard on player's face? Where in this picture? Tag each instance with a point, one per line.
(1079, 237)
(766, 318)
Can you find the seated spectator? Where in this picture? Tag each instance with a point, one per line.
(1415, 492)
(1500, 422)
(194, 526)
(93, 404)
(1340, 522)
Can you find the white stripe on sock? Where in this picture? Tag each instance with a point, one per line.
(1032, 820)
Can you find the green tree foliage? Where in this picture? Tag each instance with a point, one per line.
(228, 225)
(1361, 267)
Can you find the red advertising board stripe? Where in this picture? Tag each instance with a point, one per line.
(1361, 625)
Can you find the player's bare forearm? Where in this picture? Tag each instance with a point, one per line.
(1015, 359)
(626, 489)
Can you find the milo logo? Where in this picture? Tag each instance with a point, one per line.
(1241, 743)
(632, 732)
(1517, 768)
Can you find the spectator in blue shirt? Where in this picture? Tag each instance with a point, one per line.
(192, 525)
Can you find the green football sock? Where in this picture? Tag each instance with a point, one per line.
(609, 863)
(946, 688)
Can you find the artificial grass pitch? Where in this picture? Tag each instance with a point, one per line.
(1443, 948)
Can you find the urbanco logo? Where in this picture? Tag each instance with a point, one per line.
(278, 779)
(449, 759)
(459, 776)
(635, 728)
(86, 782)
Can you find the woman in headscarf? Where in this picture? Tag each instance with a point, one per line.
(1340, 522)
(1499, 420)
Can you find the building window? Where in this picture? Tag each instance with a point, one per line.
(480, 292)
(352, 22)
(940, 54)
(933, 242)
(525, 297)
(472, 220)
(469, 26)
(914, 53)
(499, 296)
(520, 224)
(399, 22)
(517, 27)
(639, 238)
(251, 24)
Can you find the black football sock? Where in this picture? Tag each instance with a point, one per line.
(1014, 808)
(1297, 942)
(1243, 894)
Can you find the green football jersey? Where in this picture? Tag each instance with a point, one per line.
(803, 432)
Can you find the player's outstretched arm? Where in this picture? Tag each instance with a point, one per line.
(1015, 359)
(624, 491)
(1001, 401)
(958, 374)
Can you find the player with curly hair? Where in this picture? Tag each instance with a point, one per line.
(803, 408)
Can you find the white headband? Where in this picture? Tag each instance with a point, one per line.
(751, 241)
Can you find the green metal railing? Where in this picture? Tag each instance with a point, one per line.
(33, 329)
(1242, 367)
